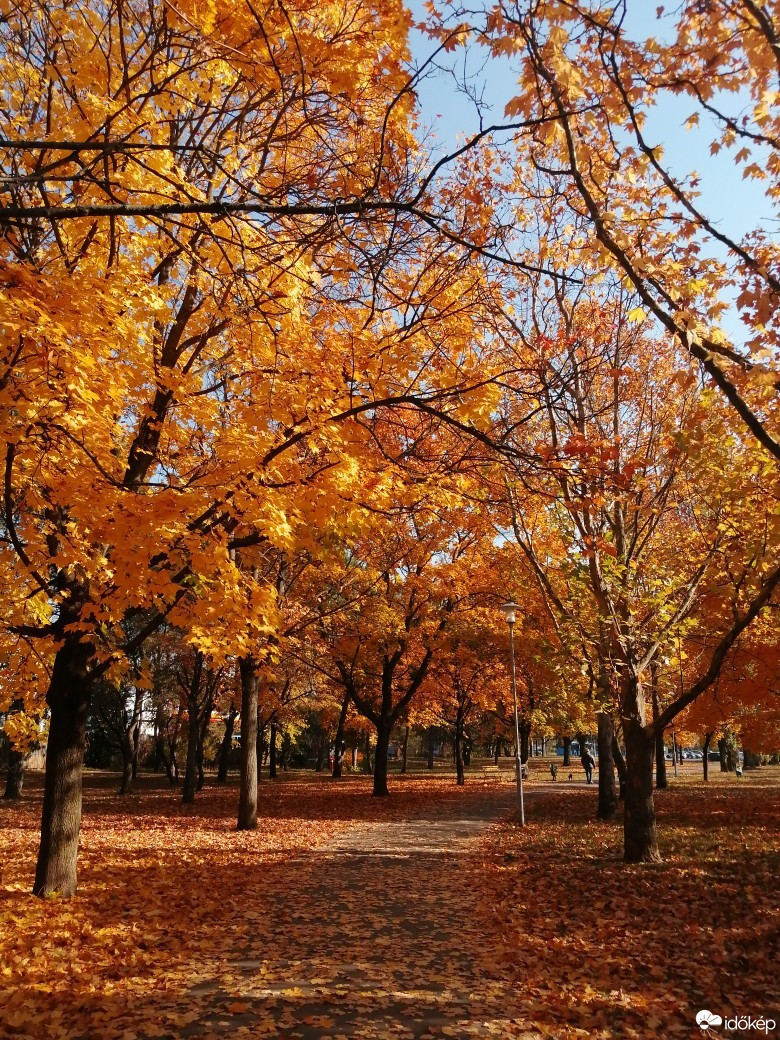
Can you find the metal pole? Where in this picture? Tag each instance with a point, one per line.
(517, 726)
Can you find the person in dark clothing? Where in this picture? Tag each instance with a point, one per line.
(588, 764)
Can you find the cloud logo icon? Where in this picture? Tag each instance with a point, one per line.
(705, 1019)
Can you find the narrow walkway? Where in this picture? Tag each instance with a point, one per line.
(379, 934)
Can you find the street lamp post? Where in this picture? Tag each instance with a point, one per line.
(509, 610)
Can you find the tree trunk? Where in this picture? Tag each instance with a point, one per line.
(247, 790)
(338, 747)
(705, 762)
(567, 751)
(260, 747)
(226, 746)
(14, 781)
(722, 751)
(660, 758)
(272, 753)
(752, 760)
(321, 743)
(405, 751)
(459, 770)
(68, 699)
(126, 784)
(430, 747)
(525, 735)
(608, 796)
(191, 764)
(136, 747)
(203, 728)
(380, 758)
(639, 829)
(620, 765)
(497, 752)
(131, 739)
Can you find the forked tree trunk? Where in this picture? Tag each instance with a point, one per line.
(660, 760)
(338, 747)
(405, 751)
(567, 751)
(130, 745)
(14, 781)
(247, 791)
(608, 796)
(272, 753)
(68, 699)
(639, 829)
(226, 746)
(383, 732)
(620, 765)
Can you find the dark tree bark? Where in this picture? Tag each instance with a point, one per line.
(497, 751)
(203, 727)
(752, 760)
(137, 742)
(321, 746)
(728, 755)
(367, 764)
(567, 751)
(68, 699)
(130, 744)
(14, 781)
(431, 736)
(380, 760)
(405, 750)
(525, 736)
(247, 791)
(226, 745)
(460, 772)
(620, 765)
(608, 796)
(661, 780)
(639, 828)
(705, 762)
(193, 732)
(338, 747)
(272, 753)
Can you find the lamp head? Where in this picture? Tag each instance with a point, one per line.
(510, 610)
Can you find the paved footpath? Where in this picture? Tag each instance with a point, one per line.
(379, 933)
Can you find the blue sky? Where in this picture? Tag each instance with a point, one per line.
(736, 204)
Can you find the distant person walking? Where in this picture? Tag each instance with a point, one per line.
(588, 764)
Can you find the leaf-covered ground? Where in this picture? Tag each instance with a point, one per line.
(408, 917)
(602, 949)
